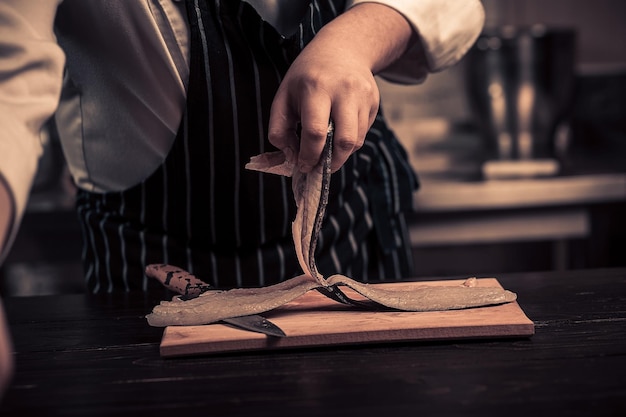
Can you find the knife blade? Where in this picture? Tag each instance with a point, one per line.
(256, 323)
(189, 286)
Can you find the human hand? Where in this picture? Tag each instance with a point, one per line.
(333, 78)
(323, 83)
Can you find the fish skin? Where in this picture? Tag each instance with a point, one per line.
(214, 306)
(429, 298)
(311, 191)
(272, 163)
(190, 287)
(311, 194)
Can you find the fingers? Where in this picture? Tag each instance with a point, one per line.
(350, 129)
(352, 110)
(349, 134)
(314, 118)
(352, 115)
(282, 128)
(308, 107)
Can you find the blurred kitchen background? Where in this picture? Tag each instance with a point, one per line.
(520, 149)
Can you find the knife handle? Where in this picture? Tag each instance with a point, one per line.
(177, 280)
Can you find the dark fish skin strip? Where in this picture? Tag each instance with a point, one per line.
(327, 156)
(332, 292)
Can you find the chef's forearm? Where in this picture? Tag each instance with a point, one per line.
(31, 73)
(373, 33)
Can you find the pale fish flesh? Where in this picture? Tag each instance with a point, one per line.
(311, 195)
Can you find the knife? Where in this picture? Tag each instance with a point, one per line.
(189, 286)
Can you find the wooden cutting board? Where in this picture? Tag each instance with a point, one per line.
(314, 320)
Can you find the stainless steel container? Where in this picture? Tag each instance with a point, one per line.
(520, 84)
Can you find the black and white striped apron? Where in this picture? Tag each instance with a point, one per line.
(202, 211)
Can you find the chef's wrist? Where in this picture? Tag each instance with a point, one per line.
(377, 32)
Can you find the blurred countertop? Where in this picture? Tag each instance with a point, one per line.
(456, 205)
(448, 162)
(441, 195)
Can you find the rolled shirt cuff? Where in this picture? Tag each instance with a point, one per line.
(446, 31)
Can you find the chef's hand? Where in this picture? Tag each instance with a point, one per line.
(332, 78)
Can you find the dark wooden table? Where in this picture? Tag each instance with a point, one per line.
(85, 356)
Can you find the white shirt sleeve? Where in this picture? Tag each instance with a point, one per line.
(446, 30)
(31, 69)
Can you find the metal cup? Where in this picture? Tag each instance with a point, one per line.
(520, 86)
